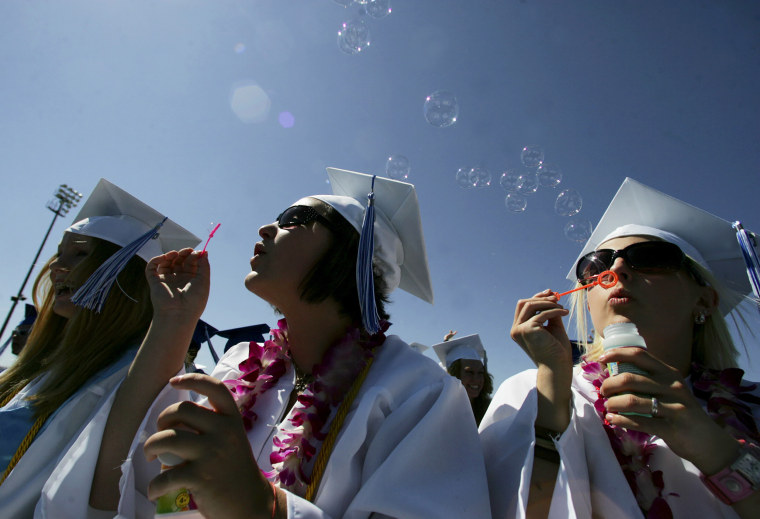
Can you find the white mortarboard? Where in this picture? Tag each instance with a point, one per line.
(419, 347)
(112, 214)
(399, 246)
(711, 241)
(468, 347)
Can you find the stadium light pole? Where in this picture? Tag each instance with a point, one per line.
(64, 199)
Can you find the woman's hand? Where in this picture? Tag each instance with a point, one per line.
(538, 329)
(680, 420)
(179, 283)
(219, 470)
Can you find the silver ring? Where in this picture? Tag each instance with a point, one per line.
(655, 407)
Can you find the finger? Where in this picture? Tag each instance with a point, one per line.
(172, 479)
(643, 423)
(185, 444)
(188, 415)
(218, 395)
(532, 307)
(158, 261)
(631, 403)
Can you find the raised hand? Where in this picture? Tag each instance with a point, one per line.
(179, 283)
(538, 329)
(219, 469)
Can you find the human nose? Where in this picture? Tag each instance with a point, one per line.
(620, 267)
(268, 230)
(58, 265)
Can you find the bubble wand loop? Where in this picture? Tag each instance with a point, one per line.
(210, 235)
(606, 279)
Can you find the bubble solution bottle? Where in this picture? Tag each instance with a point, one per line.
(623, 335)
(177, 503)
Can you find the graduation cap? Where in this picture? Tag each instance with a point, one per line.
(386, 214)
(711, 241)
(234, 336)
(112, 214)
(419, 347)
(468, 347)
(203, 333)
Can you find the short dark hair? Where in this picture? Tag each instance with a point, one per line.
(334, 274)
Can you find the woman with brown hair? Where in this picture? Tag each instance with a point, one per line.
(75, 356)
(329, 418)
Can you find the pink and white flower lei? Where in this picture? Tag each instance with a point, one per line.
(633, 450)
(315, 408)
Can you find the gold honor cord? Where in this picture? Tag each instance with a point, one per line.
(26, 442)
(335, 427)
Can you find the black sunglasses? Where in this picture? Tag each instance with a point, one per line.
(300, 215)
(651, 257)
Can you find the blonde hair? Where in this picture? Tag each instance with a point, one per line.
(70, 351)
(712, 344)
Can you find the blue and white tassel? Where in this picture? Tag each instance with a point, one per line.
(365, 281)
(93, 293)
(747, 244)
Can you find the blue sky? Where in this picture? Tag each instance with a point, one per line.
(141, 92)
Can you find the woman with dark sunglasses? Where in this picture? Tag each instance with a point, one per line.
(677, 439)
(331, 417)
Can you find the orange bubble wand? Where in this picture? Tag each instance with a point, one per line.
(606, 279)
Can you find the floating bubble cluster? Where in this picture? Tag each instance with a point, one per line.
(397, 167)
(441, 109)
(531, 156)
(568, 203)
(353, 36)
(548, 175)
(578, 229)
(516, 202)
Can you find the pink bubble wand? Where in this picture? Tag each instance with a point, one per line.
(210, 235)
(606, 279)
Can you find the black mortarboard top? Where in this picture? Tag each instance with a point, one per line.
(203, 332)
(253, 333)
(30, 314)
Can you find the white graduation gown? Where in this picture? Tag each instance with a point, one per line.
(408, 447)
(21, 490)
(590, 482)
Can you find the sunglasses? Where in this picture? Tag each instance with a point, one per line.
(651, 257)
(296, 215)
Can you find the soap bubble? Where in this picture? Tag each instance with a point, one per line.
(344, 3)
(239, 48)
(480, 177)
(527, 183)
(441, 109)
(463, 177)
(569, 202)
(353, 36)
(509, 180)
(548, 175)
(379, 8)
(250, 102)
(532, 156)
(397, 167)
(516, 202)
(578, 229)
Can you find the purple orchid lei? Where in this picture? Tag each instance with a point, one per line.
(312, 414)
(726, 402)
(633, 450)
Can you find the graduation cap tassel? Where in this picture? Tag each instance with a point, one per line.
(365, 282)
(93, 293)
(746, 242)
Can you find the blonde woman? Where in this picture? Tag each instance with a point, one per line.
(677, 439)
(74, 357)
